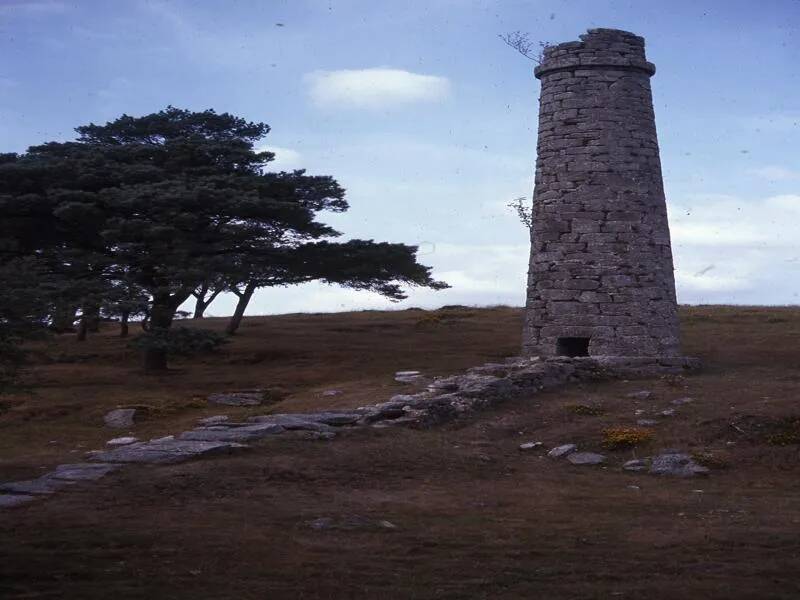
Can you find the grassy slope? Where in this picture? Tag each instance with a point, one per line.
(476, 518)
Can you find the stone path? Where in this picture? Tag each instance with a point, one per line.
(442, 400)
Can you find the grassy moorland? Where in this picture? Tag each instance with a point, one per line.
(474, 517)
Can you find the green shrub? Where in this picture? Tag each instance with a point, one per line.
(181, 341)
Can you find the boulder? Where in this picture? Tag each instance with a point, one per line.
(677, 465)
(83, 471)
(121, 418)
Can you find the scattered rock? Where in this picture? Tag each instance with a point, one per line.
(166, 452)
(667, 412)
(562, 450)
(350, 522)
(640, 395)
(647, 422)
(83, 471)
(166, 438)
(681, 401)
(637, 464)
(586, 458)
(408, 376)
(122, 441)
(321, 523)
(245, 398)
(530, 445)
(677, 465)
(331, 392)
(121, 418)
(215, 420)
(14, 500)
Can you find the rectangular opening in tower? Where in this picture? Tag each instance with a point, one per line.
(572, 346)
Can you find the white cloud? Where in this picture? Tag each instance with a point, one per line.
(286, 159)
(375, 88)
(776, 173)
(735, 250)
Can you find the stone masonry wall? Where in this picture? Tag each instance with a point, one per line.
(601, 264)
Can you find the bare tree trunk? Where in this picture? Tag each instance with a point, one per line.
(201, 303)
(238, 314)
(91, 315)
(162, 312)
(82, 329)
(123, 323)
(161, 315)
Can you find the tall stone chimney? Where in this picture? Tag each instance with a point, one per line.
(601, 278)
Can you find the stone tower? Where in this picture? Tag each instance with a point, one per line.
(601, 278)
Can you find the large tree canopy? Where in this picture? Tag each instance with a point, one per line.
(178, 203)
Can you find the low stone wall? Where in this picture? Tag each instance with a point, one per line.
(443, 399)
(489, 384)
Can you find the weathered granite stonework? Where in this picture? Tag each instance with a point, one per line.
(601, 277)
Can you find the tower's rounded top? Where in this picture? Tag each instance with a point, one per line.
(597, 49)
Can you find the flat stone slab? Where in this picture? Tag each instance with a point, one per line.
(43, 486)
(307, 420)
(83, 471)
(165, 452)
(408, 376)
(562, 450)
(121, 418)
(14, 500)
(586, 458)
(122, 441)
(215, 420)
(637, 464)
(530, 445)
(232, 434)
(249, 398)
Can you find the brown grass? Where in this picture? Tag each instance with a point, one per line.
(475, 517)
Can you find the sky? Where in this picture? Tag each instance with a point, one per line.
(428, 120)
